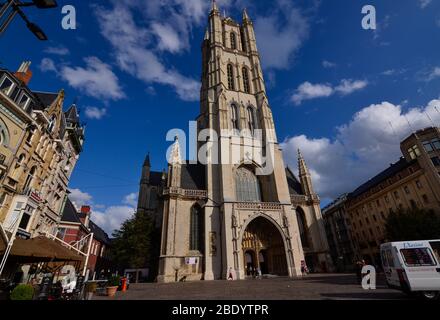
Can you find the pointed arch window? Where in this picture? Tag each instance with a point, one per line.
(231, 85)
(233, 41)
(196, 229)
(247, 187)
(4, 135)
(251, 124)
(246, 85)
(235, 117)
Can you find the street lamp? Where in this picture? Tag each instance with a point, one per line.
(36, 30)
(16, 4)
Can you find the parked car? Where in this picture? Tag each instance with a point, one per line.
(413, 267)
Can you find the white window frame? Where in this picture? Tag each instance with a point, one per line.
(24, 107)
(4, 78)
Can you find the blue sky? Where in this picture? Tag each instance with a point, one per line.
(334, 87)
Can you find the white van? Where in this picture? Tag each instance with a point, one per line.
(413, 267)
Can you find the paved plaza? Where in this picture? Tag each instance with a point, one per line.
(312, 287)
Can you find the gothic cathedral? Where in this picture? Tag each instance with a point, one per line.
(214, 219)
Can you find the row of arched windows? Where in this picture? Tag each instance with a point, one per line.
(251, 123)
(231, 79)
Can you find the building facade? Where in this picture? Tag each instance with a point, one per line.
(239, 209)
(339, 237)
(413, 182)
(39, 147)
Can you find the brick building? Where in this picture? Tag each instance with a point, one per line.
(75, 226)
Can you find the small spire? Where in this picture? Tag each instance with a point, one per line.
(302, 166)
(147, 162)
(214, 7)
(245, 16)
(206, 34)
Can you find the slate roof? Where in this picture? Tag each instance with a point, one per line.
(387, 173)
(46, 98)
(156, 178)
(293, 183)
(72, 114)
(98, 233)
(193, 176)
(70, 213)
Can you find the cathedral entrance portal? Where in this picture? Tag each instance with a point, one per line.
(263, 248)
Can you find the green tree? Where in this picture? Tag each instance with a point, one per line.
(412, 224)
(131, 245)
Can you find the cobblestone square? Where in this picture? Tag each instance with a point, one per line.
(312, 287)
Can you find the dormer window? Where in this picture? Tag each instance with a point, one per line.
(52, 124)
(6, 85)
(24, 101)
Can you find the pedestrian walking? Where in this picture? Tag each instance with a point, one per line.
(230, 274)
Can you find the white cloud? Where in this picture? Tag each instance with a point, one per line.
(308, 91)
(349, 86)
(108, 218)
(280, 34)
(80, 198)
(112, 217)
(134, 47)
(168, 38)
(433, 74)
(60, 51)
(95, 113)
(327, 64)
(47, 64)
(361, 148)
(96, 79)
(131, 199)
(424, 3)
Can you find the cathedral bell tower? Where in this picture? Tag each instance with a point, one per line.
(248, 196)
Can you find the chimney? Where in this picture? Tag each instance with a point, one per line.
(24, 73)
(86, 211)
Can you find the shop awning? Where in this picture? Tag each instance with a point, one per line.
(42, 249)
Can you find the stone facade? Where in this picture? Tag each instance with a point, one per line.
(39, 153)
(229, 215)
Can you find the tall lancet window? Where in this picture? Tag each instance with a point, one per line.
(234, 117)
(231, 85)
(196, 229)
(246, 86)
(233, 41)
(243, 41)
(251, 119)
(302, 226)
(246, 186)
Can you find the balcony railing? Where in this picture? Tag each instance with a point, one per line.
(199, 194)
(297, 198)
(268, 206)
